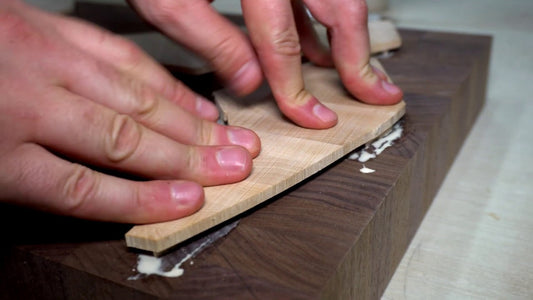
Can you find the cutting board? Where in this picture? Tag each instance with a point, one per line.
(289, 153)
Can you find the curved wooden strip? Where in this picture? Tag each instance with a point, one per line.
(289, 154)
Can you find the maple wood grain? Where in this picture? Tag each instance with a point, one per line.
(289, 153)
(340, 234)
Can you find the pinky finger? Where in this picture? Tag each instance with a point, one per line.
(36, 178)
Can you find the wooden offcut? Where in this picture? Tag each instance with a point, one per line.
(289, 154)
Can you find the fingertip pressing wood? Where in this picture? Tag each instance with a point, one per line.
(289, 154)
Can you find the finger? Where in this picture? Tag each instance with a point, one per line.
(83, 130)
(273, 33)
(126, 95)
(198, 26)
(312, 48)
(39, 179)
(351, 50)
(133, 62)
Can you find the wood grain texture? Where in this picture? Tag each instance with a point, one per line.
(289, 154)
(338, 235)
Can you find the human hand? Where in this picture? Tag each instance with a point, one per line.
(279, 31)
(74, 96)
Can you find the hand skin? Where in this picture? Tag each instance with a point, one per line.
(71, 90)
(279, 31)
(73, 96)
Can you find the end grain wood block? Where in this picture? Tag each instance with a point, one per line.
(338, 235)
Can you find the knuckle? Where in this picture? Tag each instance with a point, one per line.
(286, 42)
(300, 97)
(144, 100)
(196, 163)
(366, 72)
(122, 138)
(124, 53)
(178, 91)
(129, 55)
(226, 53)
(79, 188)
(205, 130)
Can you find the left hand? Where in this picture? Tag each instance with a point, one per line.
(74, 97)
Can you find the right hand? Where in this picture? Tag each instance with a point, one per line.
(74, 96)
(279, 31)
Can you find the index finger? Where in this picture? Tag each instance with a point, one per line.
(347, 25)
(274, 35)
(199, 27)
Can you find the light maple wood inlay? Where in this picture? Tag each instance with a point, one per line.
(289, 154)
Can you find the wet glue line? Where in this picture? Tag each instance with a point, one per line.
(372, 150)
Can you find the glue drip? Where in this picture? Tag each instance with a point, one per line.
(151, 265)
(366, 170)
(372, 150)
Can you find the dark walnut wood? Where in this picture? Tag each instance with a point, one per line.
(338, 235)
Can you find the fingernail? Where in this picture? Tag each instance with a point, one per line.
(324, 114)
(241, 79)
(390, 88)
(186, 194)
(206, 109)
(242, 137)
(232, 159)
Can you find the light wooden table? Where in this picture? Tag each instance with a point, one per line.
(476, 241)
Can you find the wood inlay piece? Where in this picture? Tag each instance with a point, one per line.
(289, 154)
